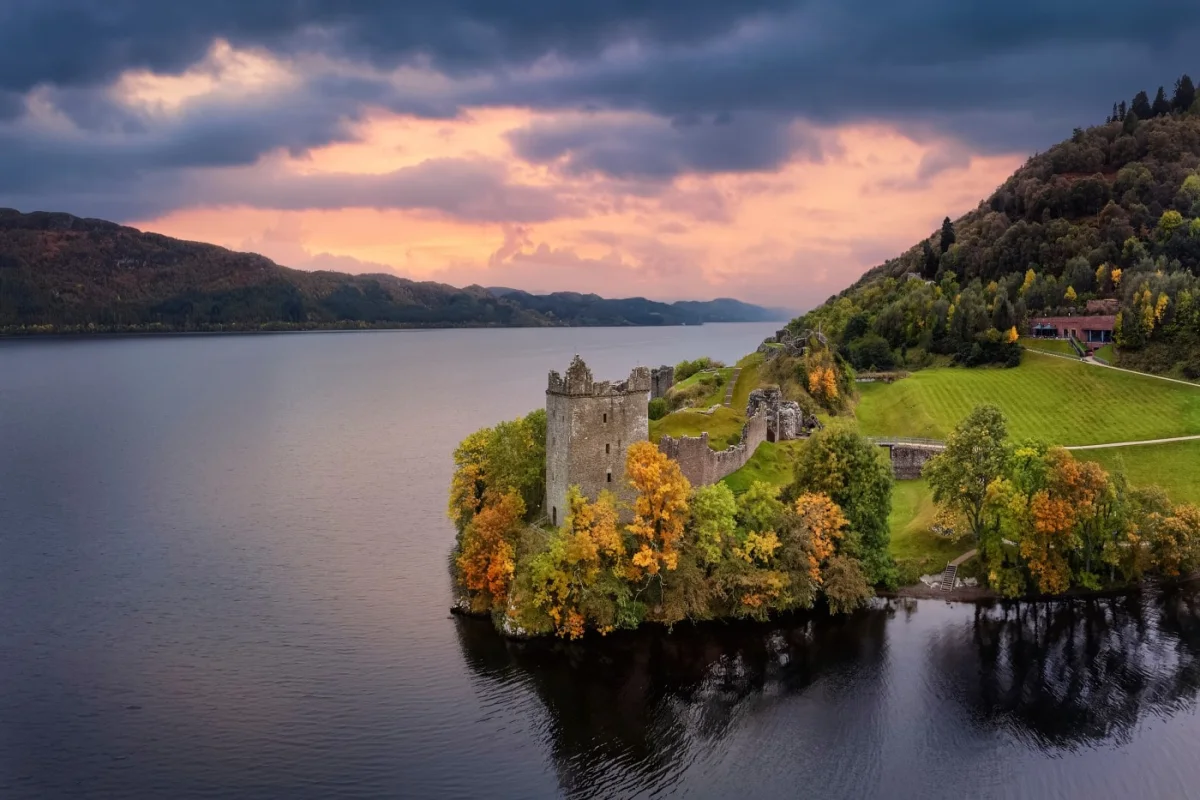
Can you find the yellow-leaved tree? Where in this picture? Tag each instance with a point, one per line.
(576, 581)
(660, 510)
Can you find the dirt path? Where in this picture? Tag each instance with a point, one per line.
(1133, 444)
(1095, 363)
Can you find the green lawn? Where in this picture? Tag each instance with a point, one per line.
(748, 380)
(1106, 354)
(771, 463)
(1060, 346)
(917, 551)
(717, 394)
(1175, 466)
(1049, 398)
(724, 426)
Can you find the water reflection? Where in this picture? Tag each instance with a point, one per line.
(635, 712)
(630, 711)
(1084, 672)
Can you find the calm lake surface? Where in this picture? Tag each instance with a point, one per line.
(223, 573)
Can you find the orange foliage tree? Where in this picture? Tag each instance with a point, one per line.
(487, 557)
(660, 510)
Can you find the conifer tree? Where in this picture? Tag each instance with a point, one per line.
(1185, 94)
(948, 237)
(1121, 111)
(1141, 106)
(1161, 107)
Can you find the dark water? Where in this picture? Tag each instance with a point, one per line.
(223, 574)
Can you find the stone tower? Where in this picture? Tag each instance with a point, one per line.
(589, 427)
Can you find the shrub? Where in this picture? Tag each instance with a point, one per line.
(658, 408)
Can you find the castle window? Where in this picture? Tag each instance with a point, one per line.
(554, 516)
(610, 476)
(606, 449)
(606, 417)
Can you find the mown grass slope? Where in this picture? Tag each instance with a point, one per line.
(1060, 346)
(1049, 398)
(1175, 467)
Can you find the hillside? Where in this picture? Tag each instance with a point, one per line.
(1111, 213)
(62, 273)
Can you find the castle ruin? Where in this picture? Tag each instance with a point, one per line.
(589, 427)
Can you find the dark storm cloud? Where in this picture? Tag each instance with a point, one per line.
(90, 41)
(720, 82)
(653, 147)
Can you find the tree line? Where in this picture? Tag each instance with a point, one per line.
(1044, 522)
(686, 553)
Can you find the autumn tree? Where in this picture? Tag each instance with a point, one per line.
(508, 457)
(976, 454)
(487, 554)
(578, 581)
(856, 475)
(660, 510)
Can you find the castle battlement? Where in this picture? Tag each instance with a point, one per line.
(589, 427)
(579, 382)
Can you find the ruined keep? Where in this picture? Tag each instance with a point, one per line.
(661, 380)
(785, 419)
(589, 427)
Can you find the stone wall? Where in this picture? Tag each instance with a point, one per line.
(908, 459)
(661, 380)
(589, 427)
(702, 465)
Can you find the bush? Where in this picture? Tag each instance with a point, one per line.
(686, 369)
(872, 352)
(658, 408)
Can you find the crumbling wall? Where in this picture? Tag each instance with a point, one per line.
(702, 465)
(661, 380)
(909, 459)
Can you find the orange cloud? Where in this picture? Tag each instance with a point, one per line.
(786, 237)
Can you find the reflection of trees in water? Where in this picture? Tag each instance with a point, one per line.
(1071, 673)
(625, 709)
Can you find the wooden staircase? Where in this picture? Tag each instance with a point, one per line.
(948, 577)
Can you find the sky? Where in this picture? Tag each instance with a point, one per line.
(766, 150)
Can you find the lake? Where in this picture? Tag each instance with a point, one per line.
(224, 573)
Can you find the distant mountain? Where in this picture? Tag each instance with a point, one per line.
(60, 273)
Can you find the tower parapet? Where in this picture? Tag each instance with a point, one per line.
(589, 427)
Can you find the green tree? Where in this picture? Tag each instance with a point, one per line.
(1185, 94)
(714, 520)
(1141, 106)
(1161, 106)
(948, 238)
(853, 472)
(1129, 123)
(976, 454)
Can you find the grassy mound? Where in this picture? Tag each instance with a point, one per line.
(1049, 398)
(724, 426)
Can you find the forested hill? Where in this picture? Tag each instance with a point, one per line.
(1112, 212)
(60, 273)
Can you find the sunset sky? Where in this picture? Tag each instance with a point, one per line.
(769, 151)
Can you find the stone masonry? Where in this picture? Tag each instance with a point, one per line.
(702, 465)
(661, 380)
(785, 420)
(908, 459)
(589, 427)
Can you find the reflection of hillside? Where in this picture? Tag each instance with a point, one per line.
(624, 710)
(1073, 673)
